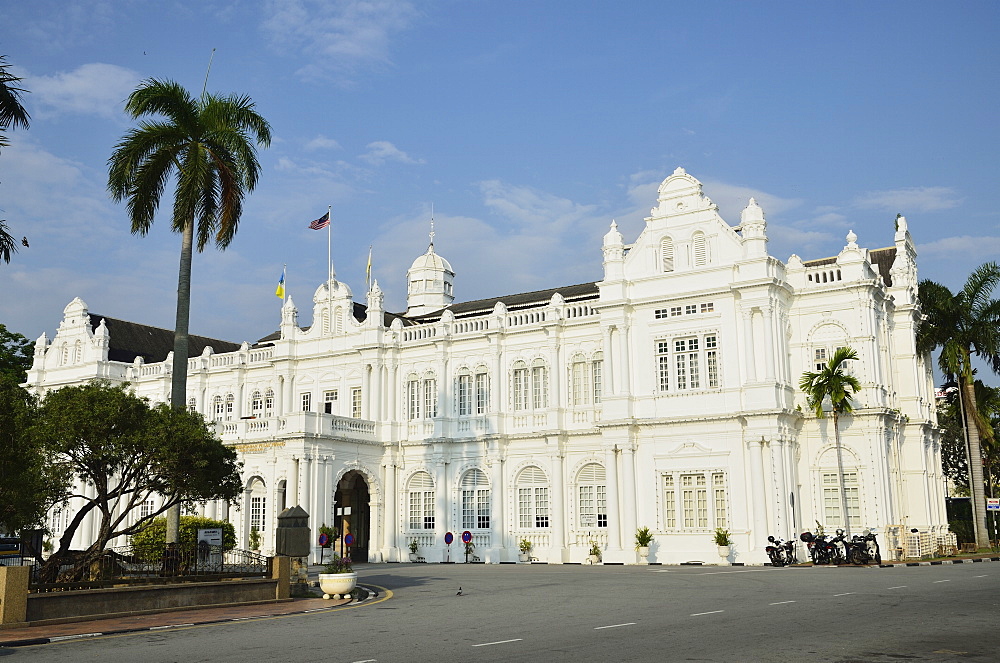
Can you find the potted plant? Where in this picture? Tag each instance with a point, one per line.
(723, 542)
(643, 537)
(338, 578)
(413, 550)
(594, 557)
(254, 541)
(525, 547)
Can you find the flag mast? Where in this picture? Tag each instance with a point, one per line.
(329, 259)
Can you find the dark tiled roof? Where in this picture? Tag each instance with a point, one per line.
(130, 340)
(881, 259)
(524, 300)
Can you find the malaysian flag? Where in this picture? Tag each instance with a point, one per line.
(321, 222)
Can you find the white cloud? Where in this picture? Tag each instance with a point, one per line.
(321, 142)
(912, 199)
(733, 198)
(382, 150)
(536, 211)
(337, 37)
(961, 247)
(90, 89)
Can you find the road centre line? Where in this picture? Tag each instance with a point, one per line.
(937, 581)
(781, 602)
(844, 594)
(897, 587)
(367, 660)
(598, 628)
(713, 612)
(980, 576)
(498, 642)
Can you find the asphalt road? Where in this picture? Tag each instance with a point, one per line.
(606, 613)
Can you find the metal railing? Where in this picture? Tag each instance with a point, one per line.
(147, 565)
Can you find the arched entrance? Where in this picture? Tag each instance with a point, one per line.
(352, 515)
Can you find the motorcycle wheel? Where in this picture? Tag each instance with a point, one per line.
(775, 557)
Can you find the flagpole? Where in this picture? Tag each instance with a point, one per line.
(284, 273)
(329, 259)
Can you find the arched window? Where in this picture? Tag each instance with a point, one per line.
(256, 404)
(413, 397)
(230, 402)
(78, 352)
(667, 254)
(482, 384)
(430, 396)
(218, 408)
(64, 361)
(463, 392)
(269, 402)
(475, 500)
(519, 386)
(192, 405)
(258, 505)
(532, 498)
(597, 375)
(539, 385)
(699, 248)
(592, 490)
(420, 490)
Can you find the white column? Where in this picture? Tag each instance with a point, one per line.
(782, 523)
(625, 389)
(497, 493)
(246, 518)
(629, 515)
(758, 501)
(768, 315)
(441, 502)
(366, 394)
(295, 498)
(557, 501)
(389, 522)
(376, 407)
(748, 347)
(614, 512)
(610, 361)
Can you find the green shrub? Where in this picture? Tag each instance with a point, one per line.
(154, 535)
(964, 530)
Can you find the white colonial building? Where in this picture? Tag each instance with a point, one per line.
(664, 395)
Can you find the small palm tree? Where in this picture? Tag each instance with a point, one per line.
(12, 114)
(207, 146)
(837, 385)
(964, 324)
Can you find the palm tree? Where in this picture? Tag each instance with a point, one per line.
(207, 146)
(964, 324)
(12, 113)
(835, 383)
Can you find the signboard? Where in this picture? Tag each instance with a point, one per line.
(349, 540)
(993, 503)
(448, 538)
(323, 540)
(212, 537)
(466, 536)
(343, 511)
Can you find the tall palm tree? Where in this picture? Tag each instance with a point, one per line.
(964, 324)
(836, 384)
(206, 145)
(12, 114)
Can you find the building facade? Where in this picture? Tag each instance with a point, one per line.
(665, 395)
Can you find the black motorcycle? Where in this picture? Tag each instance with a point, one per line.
(863, 549)
(781, 553)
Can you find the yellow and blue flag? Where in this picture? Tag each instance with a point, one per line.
(280, 290)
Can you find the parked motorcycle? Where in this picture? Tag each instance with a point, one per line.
(863, 549)
(781, 553)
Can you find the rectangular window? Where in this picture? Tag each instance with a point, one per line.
(229, 407)
(602, 506)
(430, 398)
(708, 307)
(693, 364)
(413, 399)
(588, 514)
(539, 388)
(468, 509)
(680, 359)
(820, 359)
(269, 402)
(329, 400)
(146, 509)
(257, 512)
(581, 391)
(220, 409)
(712, 362)
(675, 311)
(831, 499)
(306, 400)
(482, 393)
(701, 494)
(541, 507)
(669, 502)
(533, 507)
(596, 368)
(660, 313)
(690, 309)
(688, 499)
(356, 402)
(483, 508)
(416, 510)
(719, 493)
(520, 389)
(428, 510)
(663, 363)
(464, 395)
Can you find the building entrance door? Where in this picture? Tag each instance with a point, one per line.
(352, 515)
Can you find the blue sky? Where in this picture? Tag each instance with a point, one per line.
(528, 125)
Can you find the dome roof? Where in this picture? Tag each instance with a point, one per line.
(431, 260)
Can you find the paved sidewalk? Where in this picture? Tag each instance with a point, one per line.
(36, 635)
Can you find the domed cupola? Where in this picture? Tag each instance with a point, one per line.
(430, 282)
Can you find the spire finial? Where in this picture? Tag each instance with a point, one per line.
(430, 248)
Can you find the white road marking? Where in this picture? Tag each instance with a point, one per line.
(498, 642)
(980, 576)
(844, 594)
(897, 587)
(367, 660)
(782, 602)
(598, 628)
(937, 581)
(158, 628)
(73, 637)
(713, 612)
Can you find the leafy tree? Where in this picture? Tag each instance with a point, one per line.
(954, 460)
(125, 451)
(16, 355)
(963, 325)
(154, 534)
(29, 484)
(837, 385)
(12, 114)
(207, 146)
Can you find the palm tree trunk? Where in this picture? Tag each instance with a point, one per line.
(178, 377)
(840, 475)
(975, 464)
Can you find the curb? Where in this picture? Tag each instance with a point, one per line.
(25, 642)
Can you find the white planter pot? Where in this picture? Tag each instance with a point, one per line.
(643, 554)
(523, 557)
(593, 559)
(338, 585)
(413, 557)
(724, 552)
